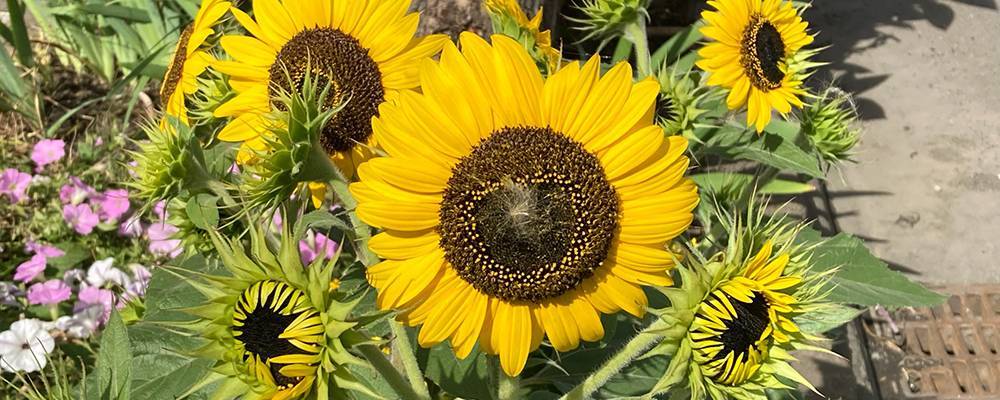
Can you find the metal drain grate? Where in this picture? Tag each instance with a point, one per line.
(947, 352)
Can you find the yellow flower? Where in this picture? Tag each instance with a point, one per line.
(736, 324)
(364, 49)
(530, 210)
(280, 336)
(753, 42)
(189, 59)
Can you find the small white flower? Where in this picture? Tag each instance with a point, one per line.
(102, 272)
(81, 325)
(25, 346)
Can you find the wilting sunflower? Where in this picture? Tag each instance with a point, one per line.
(189, 59)
(274, 326)
(364, 49)
(754, 40)
(732, 320)
(530, 210)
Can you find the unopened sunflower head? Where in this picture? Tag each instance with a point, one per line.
(681, 95)
(509, 19)
(169, 161)
(273, 326)
(733, 319)
(212, 92)
(831, 122)
(294, 156)
(606, 19)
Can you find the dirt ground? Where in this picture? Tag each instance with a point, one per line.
(925, 194)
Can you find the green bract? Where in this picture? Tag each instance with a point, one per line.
(264, 288)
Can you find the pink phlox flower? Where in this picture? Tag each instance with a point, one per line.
(80, 217)
(47, 151)
(316, 245)
(161, 241)
(28, 270)
(14, 184)
(112, 204)
(49, 292)
(75, 192)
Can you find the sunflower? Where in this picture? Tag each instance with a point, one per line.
(736, 324)
(732, 320)
(527, 212)
(754, 40)
(189, 59)
(274, 326)
(364, 49)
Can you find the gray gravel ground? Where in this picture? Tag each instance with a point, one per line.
(926, 191)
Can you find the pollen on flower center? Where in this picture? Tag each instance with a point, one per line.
(175, 70)
(331, 57)
(527, 215)
(761, 54)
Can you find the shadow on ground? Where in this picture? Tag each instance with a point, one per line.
(848, 27)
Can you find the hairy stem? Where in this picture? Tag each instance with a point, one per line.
(636, 33)
(391, 375)
(634, 348)
(409, 359)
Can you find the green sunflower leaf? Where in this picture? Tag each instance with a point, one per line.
(781, 146)
(468, 378)
(863, 279)
(203, 211)
(114, 361)
(826, 318)
(160, 370)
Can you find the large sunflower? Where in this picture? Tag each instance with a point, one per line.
(530, 210)
(753, 43)
(189, 59)
(364, 49)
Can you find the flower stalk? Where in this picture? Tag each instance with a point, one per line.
(646, 339)
(391, 374)
(635, 32)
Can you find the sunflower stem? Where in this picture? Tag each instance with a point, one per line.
(636, 33)
(409, 359)
(391, 374)
(646, 339)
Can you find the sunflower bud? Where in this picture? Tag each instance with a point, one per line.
(170, 161)
(607, 19)
(509, 19)
(733, 319)
(831, 123)
(273, 327)
(212, 93)
(295, 156)
(680, 97)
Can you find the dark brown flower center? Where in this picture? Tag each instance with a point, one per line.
(762, 54)
(264, 312)
(175, 70)
(330, 57)
(527, 215)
